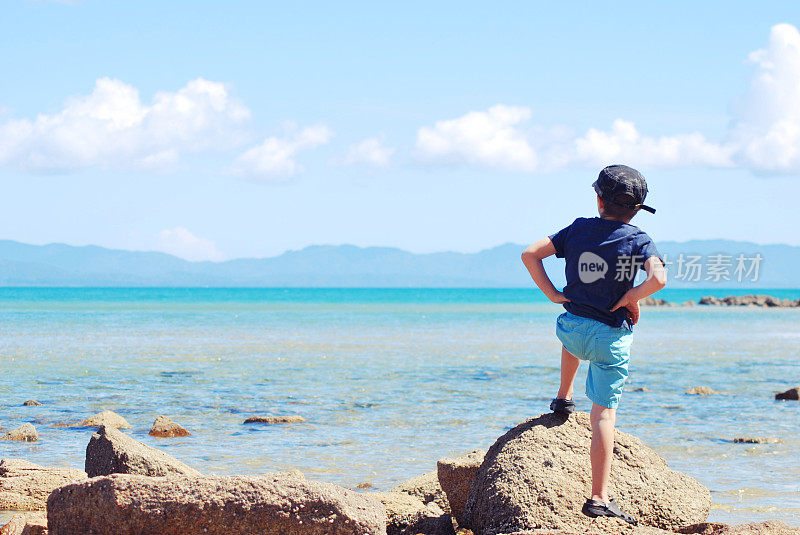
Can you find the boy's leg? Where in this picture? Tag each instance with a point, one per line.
(569, 369)
(603, 420)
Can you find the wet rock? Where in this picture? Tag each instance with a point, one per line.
(23, 433)
(756, 440)
(164, 427)
(364, 486)
(455, 477)
(111, 451)
(26, 524)
(24, 486)
(688, 304)
(641, 389)
(275, 420)
(407, 515)
(655, 302)
(755, 528)
(793, 394)
(31, 403)
(212, 505)
(749, 300)
(105, 418)
(538, 475)
(703, 391)
(426, 488)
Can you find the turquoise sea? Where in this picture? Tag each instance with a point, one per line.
(390, 380)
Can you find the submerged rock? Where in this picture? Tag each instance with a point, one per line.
(212, 505)
(749, 300)
(704, 391)
(793, 394)
(23, 433)
(105, 418)
(756, 440)
(26, 524)
(426, 488)
(275, 420)
(455, 476)
(655, 302)
(538, 475)
(25, 486)
(407, 515)
(164, 427)
(31, 403)
(111, 451)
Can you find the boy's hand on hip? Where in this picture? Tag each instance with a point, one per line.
(559, 298)
(631, 304)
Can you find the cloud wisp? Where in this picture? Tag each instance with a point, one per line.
(276, 157)
(180, 242)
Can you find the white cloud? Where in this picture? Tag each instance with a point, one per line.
(276, 157)
(489, 138)
(112, 128)
(370, 151)
(180, 242)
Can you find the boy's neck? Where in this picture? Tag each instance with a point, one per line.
(609, 218)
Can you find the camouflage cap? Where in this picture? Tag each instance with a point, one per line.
(617, 180)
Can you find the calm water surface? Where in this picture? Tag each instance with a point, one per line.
(392, 380)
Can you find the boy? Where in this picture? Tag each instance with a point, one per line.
(602, 256)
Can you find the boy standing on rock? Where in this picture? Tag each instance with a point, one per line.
(603, 255)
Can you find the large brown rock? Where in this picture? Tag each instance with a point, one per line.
(538, 476)
(23, 433)
(407, 515)
(25, 486)
(166, 428)
(26, 524)
(793, 394)
(426, 488)
(211, 505)
(455, 477)
(111, 451)
(754, 528)
(272, 420)
(105, 418)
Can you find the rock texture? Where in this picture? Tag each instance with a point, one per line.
(407, 515)
(426, 488)
(26, 524)
(538, 475)
(655, 302)
(164, 427)
(703, 391)
(25, 486)
(749, 300)
(275, 420)
(31, 403)
(212, 505)
(753, 528)
(793, 394)
(23, 433)
(111, 451)
(105, 418)
(455, 477)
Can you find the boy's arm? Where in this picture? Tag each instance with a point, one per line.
(656, 279)
(532, 258)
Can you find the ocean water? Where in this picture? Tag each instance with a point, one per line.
(390, 380)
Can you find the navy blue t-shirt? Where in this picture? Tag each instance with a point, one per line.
(603, 257)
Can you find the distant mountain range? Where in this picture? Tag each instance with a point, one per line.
(349, 266)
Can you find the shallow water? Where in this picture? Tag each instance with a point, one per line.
(392, 380)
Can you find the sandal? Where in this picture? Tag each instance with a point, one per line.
(594, 509)
(562, 406)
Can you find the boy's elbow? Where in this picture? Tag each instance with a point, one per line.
(660, 277)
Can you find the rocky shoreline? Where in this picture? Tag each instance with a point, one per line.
(766, 301)
(532, 480)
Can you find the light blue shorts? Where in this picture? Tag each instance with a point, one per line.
(606, 348)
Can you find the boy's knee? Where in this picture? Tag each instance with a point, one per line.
(602, 414)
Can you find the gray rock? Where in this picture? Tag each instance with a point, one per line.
(538, 475)
(25, 486)
(407, 515)
(426, 488)
(704, 391)
(455, 476)
(111, 451)
(31, 403)
(23, 433)
(164, 427)
(212, 505)
(793, 394)
(105, 418)
(655, 302)
(749, 300)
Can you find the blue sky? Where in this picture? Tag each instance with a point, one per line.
(216, 130)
